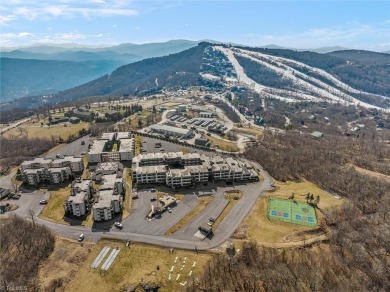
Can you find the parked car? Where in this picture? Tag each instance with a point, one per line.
(212, 219)
(43, 202)
(83, 142)
(210, 223)
(153, 190)
(135, 197)
(162, 149)
(118, 225)
(81, 237)
(169, 210)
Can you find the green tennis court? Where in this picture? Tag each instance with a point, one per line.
(291, 211)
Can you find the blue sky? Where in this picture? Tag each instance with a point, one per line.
(299, 24)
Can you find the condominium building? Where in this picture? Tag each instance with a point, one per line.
(47, 170)
(176, 169)
(112, 147)
(230, 169)
(108, 203)
(76, 164)
(37, 176)
(150, 174)
(77, 204)
(113, 182)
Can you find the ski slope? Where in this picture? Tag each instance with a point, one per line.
(304, 87)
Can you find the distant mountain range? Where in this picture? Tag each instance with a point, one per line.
(347, 77)
(22, 74)
(183, 63)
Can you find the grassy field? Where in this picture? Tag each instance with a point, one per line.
(203, 202)
(54, 210)
(138, 264)
(36, 131)
(252, 131)
(222, 144)
(138, 144)
(258, 227)
(128, 195)
(299, 189)
(65, 261)
(144, 116)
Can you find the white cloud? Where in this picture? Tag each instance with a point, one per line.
(45, 9)
(351, 36)
(4, 19)
(16, 35)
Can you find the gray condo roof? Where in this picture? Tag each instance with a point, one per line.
(166, 128)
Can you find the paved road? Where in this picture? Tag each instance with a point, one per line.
(14, 125)
(6, 180)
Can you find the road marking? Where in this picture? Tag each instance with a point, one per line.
(171, 270)
(194, 264)
(183, 283)
(178, 276)
(169, 276)
(190, 273)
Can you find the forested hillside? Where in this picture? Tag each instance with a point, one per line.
(23, 77)
(179, 69)
(356, 256)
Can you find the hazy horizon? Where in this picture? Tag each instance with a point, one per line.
(293, 24)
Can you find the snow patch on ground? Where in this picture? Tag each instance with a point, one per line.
(307, 87)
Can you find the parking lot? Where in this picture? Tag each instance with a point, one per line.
(27, 203)
(149, 145)
(74, 148)
(138, 223)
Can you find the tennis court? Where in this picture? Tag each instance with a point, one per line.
(291, 212)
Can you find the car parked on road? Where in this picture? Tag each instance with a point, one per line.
(212, 219)
(118, 225)
(81, 238)
(43, 202)
(169, 210)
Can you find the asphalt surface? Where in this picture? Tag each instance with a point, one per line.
(149, 146)
(137, 222)
(74, 148)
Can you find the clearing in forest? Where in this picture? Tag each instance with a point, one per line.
(291, 211)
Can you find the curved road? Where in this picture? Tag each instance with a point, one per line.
(227, 227)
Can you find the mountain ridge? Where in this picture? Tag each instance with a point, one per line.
(318, 77)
